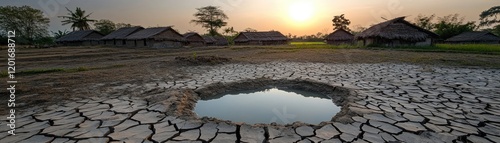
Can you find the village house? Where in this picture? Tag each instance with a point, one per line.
(340, 36)
(194, 39)
(261, 38)
(80, 38)
(396, 32)
(158, 37)
(117, 38)
(474, 37)
(215, 41)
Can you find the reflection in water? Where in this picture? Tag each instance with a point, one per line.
(270, 105)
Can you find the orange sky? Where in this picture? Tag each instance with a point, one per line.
(258, 14)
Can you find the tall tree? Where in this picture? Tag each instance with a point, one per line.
(78, 19)
(29, 23)
(489, 16)
(425, 22)
(451, 25)
(210, 17)
(340, 22)
(105, 26)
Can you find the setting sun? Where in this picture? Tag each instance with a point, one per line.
(301, 11)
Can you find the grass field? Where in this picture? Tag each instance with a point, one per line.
(307, 43)
(462, 48)
(474, 48)
(470, 47)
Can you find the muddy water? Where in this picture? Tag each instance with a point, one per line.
(282, 106)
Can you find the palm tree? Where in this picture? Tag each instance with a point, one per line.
(60, 34)
(77, 19)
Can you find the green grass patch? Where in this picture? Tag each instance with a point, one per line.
(470, 47)
(4, 74)
(307, 43)
(460, 48)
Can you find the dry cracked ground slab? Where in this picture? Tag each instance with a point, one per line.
(394, 102)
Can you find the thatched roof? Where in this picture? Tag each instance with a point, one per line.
(340, 35)
(474, 36)
(122, 33)
(217, 40)
(261, 36)
(209, 39)
(397, 28)
(191, 34)
(82, 35)
(150, 33)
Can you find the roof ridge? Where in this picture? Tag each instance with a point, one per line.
(392, 21)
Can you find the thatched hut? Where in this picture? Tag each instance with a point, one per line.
(260, 38)
(80, 38)
(474, 37)
(215, 41)
(117, 38)
(396, 32)
(158, 37)
(194, 39)
(339, 37)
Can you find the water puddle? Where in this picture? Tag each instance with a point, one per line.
(282, 106)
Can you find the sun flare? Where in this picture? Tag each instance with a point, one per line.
(301, 11)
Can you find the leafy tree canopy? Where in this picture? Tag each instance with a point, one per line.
(250, 30)
(105, 26)
(210, 17)
(452, 25)
(489, 16)
(121, 25)
(229, 31)
(29, 23)
(340, 22)
(425, 22)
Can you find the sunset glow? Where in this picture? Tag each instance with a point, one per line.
(301, 11)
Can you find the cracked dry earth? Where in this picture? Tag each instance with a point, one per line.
(395, 102)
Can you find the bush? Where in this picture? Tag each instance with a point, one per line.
(44, 42)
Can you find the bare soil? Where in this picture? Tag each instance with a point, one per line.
(129, 65)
